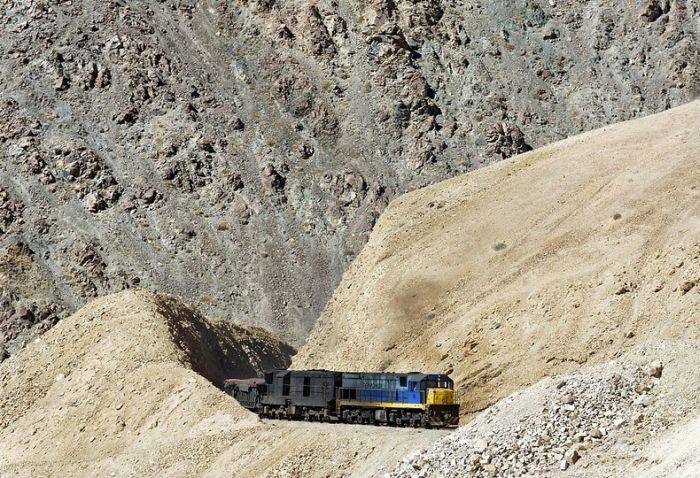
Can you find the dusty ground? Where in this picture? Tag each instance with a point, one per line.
(586, 252)
(569, 254)
(114, 390)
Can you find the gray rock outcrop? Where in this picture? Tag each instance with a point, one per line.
(168, 144)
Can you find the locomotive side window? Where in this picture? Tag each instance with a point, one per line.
(403, 381)
(307, 386)
(348, 394)
(285, 384)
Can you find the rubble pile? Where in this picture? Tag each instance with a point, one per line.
(570, 419)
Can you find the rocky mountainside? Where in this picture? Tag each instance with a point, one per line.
(126, 387)
(570, 254)
(607, 270)
(238, 153)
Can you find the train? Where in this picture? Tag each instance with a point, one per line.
(399, 399)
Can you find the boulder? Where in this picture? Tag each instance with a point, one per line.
(655, 369)
(506, 140)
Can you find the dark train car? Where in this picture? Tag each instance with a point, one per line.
(248, 392)
(306, 394)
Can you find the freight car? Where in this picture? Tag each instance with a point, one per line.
(410, 399)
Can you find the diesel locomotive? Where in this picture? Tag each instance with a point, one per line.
(400, 399)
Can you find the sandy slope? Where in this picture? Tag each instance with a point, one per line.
(676, 455)
(120, 389)
(572, 253)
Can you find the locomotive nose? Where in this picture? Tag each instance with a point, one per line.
(443, 409)
(440, 396)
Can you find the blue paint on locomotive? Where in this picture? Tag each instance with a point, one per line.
(399, 396)
(383, 387)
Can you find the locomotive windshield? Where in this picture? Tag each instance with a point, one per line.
(437, 384)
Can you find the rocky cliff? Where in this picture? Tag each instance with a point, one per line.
(238, 153)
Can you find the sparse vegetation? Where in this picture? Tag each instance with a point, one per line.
(500, 246)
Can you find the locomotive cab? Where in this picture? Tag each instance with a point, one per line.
(440, 400)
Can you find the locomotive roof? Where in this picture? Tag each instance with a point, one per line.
(417, 376)
(247, 381)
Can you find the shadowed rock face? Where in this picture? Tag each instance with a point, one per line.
(238, 153)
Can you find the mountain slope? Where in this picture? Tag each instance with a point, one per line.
(569, 254)
(237, 153)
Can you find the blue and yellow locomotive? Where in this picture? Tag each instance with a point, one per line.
(410, 399)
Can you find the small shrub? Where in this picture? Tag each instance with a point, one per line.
(499, 246)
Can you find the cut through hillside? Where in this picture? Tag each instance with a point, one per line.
(221, 349)
(119, 337)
